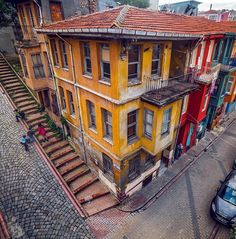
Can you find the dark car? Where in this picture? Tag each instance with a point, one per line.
(223, 206)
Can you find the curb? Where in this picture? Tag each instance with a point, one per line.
(3, 228)
(158, 194)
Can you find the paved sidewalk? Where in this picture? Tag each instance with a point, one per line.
(32, 201)
(140, 199)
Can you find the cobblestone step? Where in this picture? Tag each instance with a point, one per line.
(69, 167)
(37, 122)
(7, 74)
(31, 111)
(14, 92)
(92, 197)
(66, 159)
(22, 99)
(61, 153)
(14, 89)
(51, 142)
(50, 135)
(57, 146)
(78, 173)
(4, 66)
(12, 85)
(10, 81)
(24, 104)
(18, 95)
(6, 78)
(34, 117)
(85, 181)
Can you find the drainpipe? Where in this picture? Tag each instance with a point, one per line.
(76, 92)
(40, 13)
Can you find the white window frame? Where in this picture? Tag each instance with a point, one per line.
(107, 124)
(91, 115)
(64, 55)
(166, 122)
(54, 52)
(158, 70)
(63, 99)
(71, 103)
(205, 102)
(131, 138)
(87, 45)
(137, 78)
(146, 123)
(106, 47)
(230, 82)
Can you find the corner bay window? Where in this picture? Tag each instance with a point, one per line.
(91, 114)
(148, 122)
(229, 85)
(132, 126)
(37, 66)
(64, 54)
(105, 62)
(62, 97)
(156, 60)
(134, 64)
(71, 103)
(54, 52)
(107, 165)
(166, 122)
(87, 59)
(107, 121)
(134, 167)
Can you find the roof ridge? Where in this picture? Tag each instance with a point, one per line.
(121, 17)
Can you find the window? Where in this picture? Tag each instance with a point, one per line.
(134, 167)
(134, 64)
(216, 52)
(23, 60)
(62, 96)
(105, 62)
(229, 85)
(132, 125)
(48, 65)
(185, 104)
(150, 161)
(156, 60)
(205, 102)
(166, 122)
(107, 165)
(64, 55)
(37, 66)
(54, 52)
(87, 59)
(107, 119)
(71, 103)
(55, 109)
(148, 122)
(229, 47)
(56, 11)
(23, 19)
(91, 114)
(31, 19)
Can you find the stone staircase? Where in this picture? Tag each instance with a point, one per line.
(89, 192)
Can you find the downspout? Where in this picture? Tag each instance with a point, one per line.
(76, 92)
(40, 13)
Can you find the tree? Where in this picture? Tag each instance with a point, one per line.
(136, 3)
(8, 13)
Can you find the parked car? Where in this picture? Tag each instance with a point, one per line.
(223, 206)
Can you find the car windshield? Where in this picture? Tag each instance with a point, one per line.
(229, 195)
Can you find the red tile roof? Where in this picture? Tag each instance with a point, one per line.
(137, 19)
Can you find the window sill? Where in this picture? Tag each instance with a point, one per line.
(133, 140)
(73, 116)
(134, 83)
(56, 66)
(164, 135)
(104, 82)
(65, 69)
(155, 77)
(93, 130)
(108, 140)
(148, 166)
(147, 136)
(89, 77)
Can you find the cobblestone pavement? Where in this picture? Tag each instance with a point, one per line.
(182, 212)
(32, 201)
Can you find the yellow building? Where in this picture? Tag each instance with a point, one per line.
(116, 92)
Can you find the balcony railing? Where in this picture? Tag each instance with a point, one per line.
(25, 33)
(208, 74)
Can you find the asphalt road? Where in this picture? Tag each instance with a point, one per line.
(183, 210)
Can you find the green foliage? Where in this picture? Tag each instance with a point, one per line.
(136, 3)
(8, 13)
(53, 127)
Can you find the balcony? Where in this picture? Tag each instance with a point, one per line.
(161, 92)
(208, 74)
(25, 35)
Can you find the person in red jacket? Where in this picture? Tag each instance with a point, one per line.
(42, 132)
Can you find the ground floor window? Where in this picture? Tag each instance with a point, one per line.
(134, 167)
(107, 165)
(150, 161)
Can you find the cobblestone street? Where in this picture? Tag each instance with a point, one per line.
(183, 210)
(32, 201)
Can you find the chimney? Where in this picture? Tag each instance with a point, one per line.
(211, 6)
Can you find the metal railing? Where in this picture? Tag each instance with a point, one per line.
(157, 83)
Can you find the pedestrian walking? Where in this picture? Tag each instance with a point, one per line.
(30, 135)
(42, 132)
(19, 115)
(23, 141)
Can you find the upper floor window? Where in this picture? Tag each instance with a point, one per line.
(229, 47)
(217, 49)
(23, 60)
(229, 85)
(54, 52)
(148, 122)
(71, 103)
(134, 167)
(87, 59)
(62, 96)
(56, 11)
(23, 19)
(166, 122)
(107, 165)
(31, 19)
(105, 62)
(38, 66)
(132, 125)
(91, 115)
(107, 121)
(64, 55)
(48, 65)
(134, 64)
(156, 60)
